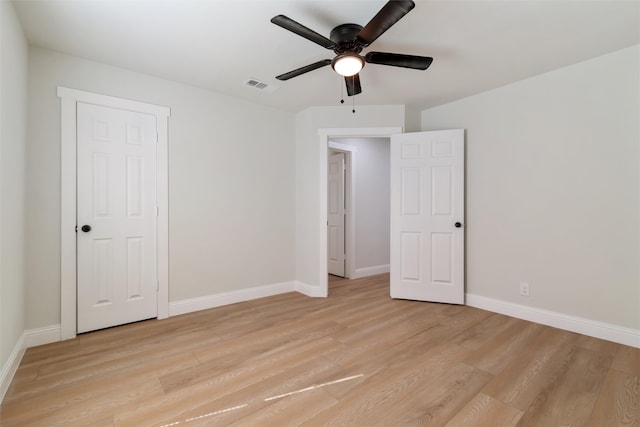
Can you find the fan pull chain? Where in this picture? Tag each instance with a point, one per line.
(353, 98)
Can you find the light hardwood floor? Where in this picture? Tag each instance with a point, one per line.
(356, 358)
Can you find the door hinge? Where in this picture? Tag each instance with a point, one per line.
(157, 285)
(76, 228)
(157, 137)
(157, 210)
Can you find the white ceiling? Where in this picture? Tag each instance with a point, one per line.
(218, 44)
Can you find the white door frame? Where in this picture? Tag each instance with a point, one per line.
(350, 205)
(68, 280)
(325, 134)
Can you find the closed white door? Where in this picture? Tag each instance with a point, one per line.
(335, 214)
(427, 216)
(116, 217)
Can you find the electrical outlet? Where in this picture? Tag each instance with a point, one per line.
(524, 289)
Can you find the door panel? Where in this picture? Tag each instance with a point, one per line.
(135, 186)
(441, 259)
(135, 267)
(441, 191)
(103, 270)
(336, 214)
(411, 191)
(116, 191)
(427, 199)
(410, 256)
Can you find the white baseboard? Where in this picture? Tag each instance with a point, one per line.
(11, 366)
(29, 338)
(592, 328)
(210, 301)
(310, 291)
(370, 271)
(41, 336)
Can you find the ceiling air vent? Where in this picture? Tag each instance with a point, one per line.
(260, 85)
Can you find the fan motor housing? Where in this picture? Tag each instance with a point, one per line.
(344, 36)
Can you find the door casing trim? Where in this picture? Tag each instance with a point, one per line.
(68, 290)
(324, 135)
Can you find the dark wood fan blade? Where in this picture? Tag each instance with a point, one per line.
(390, 13)
(353, 85)
(399, 60)
(301, 30)
(305, 69)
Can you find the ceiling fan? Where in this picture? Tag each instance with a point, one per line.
(348, 40)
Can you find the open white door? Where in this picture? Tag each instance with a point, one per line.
(335, 214)
(427, 216)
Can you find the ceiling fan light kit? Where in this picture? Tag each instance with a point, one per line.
(348, 40)
(347, 65)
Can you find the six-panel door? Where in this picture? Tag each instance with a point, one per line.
(427, 216)
(116, 179)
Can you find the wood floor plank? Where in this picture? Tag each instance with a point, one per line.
(224, 383)
(24, 374)
(291, 411)
(430, 405)
(280, 350)
(355, 358)
(121, 352)
(381, 391)
(600, 346)
(506, 347)
(619, 401)
(627, 360)
(401, 335)
(81, 399)
(267, 338)
(213, 396)
(485, 411)
(157, 364)
(521, 381)
(380, 360)
(483, 331)
(408, 321)
(268, 398)
(570, 397)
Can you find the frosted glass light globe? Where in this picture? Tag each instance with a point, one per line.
(348, 65)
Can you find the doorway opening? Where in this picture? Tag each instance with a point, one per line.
(341, 209)
(367, 206)
(334, 136)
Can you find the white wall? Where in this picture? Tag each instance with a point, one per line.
(13, 112)
(231, 183)
(553, 189)
(308, 182)
(413, 119)
(371, 202)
